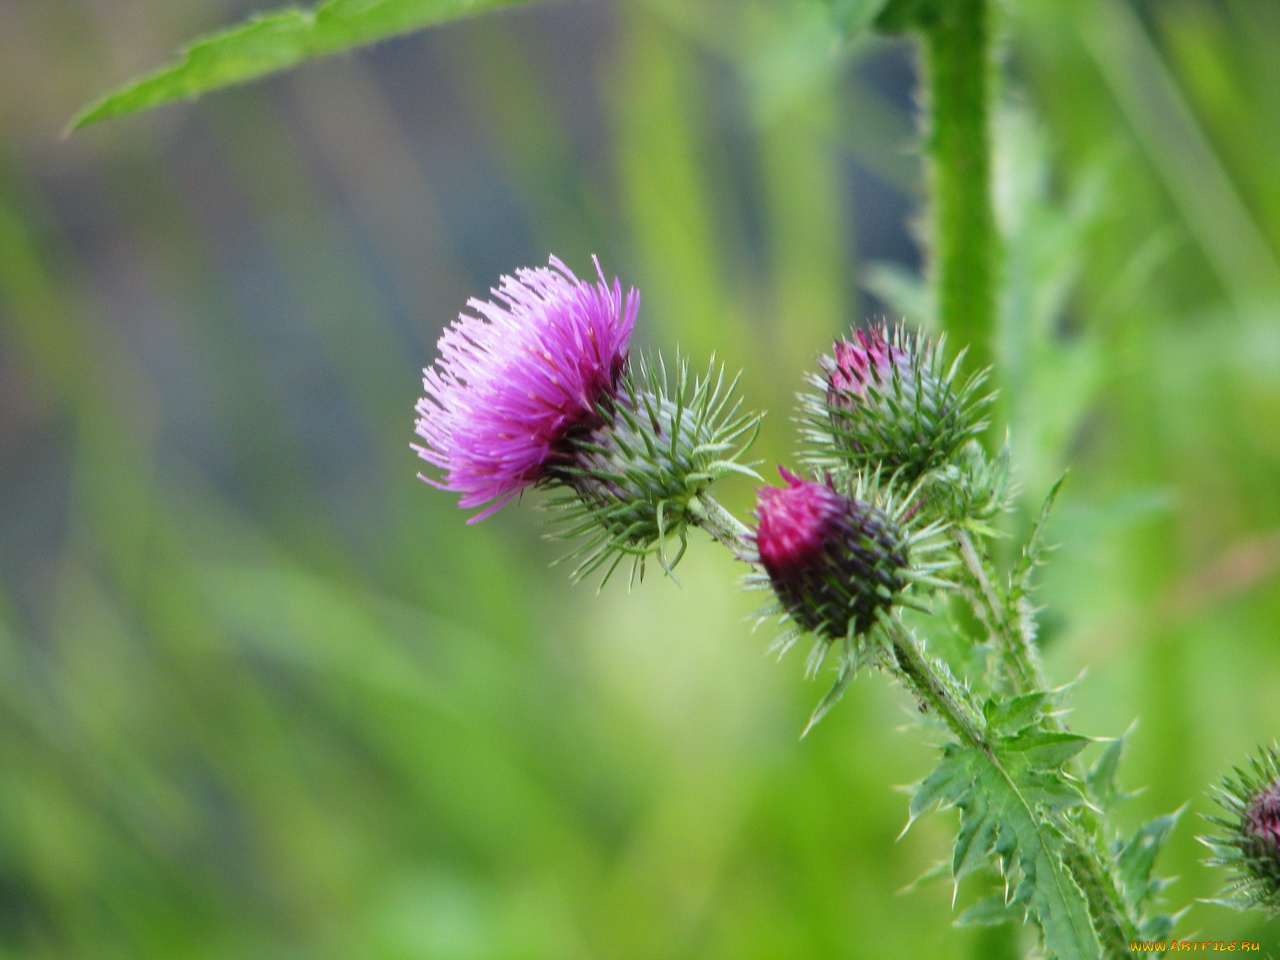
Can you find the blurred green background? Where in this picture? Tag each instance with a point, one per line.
(262, 694)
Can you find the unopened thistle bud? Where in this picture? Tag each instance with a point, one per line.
(887, 401)
(834, 561)
(1251, 845)
(837, 564)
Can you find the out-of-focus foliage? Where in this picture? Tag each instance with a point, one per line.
(275, 41)
(262, 692)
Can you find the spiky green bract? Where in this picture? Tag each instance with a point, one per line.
(972, 489)
(1250, 847)
(889, 400)
(839, 557)
(630, 483)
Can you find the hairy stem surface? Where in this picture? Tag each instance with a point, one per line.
(724, 527)
(965, 245)
(935, 686)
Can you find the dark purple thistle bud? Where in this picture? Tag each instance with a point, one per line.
(1250, 843)
(834, 562)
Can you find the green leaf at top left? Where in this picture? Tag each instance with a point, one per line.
(274, 41)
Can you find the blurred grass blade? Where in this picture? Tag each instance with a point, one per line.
(275, 41)
(854, 16)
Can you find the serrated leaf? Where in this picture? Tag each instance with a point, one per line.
(939, 870)
(1035, 547)
(1139, 856)
(1013, 714)
(274, 41)
(988, 912)
(1101, 777)
(1046, 749)
(1050, 788)
(997, 819)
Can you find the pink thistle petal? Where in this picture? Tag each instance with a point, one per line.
(869, 360)
(517, 375)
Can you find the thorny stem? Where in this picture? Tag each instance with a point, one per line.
(936, 687)
(1015, 647)
(1086, 852)
(966, 260)
(931, 681)
(723, 526)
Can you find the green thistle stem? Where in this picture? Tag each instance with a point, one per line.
(1015, 648)
(959, 84)
(933, 683)
(723, 526)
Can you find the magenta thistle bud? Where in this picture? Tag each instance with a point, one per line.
(1251, 845)
(870, 359)
(517, 378)
(834, 561)
(887, 401)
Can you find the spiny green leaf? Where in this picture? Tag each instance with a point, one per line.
(1046, 749)
(1100, 780)
(988, 912)
(997, 818)
(271, 42)
(1139, 856)
(1020, 581)
(1013, 714)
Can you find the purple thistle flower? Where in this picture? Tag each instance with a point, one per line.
(833, 561)
(517, 378)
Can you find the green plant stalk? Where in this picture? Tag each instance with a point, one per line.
(935, 686)
(1086, 851)
(965, 247)
(723, 526)
(929, 679)
(1017, 654)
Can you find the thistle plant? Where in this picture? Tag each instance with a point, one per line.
(882, 541)
(863, 557)
(886, 399)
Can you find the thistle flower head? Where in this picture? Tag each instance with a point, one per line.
(632, 481)
(1250, 847)
(517, 376)
(887, 401)
(838, 560)
(868, 358)
(834, 561)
